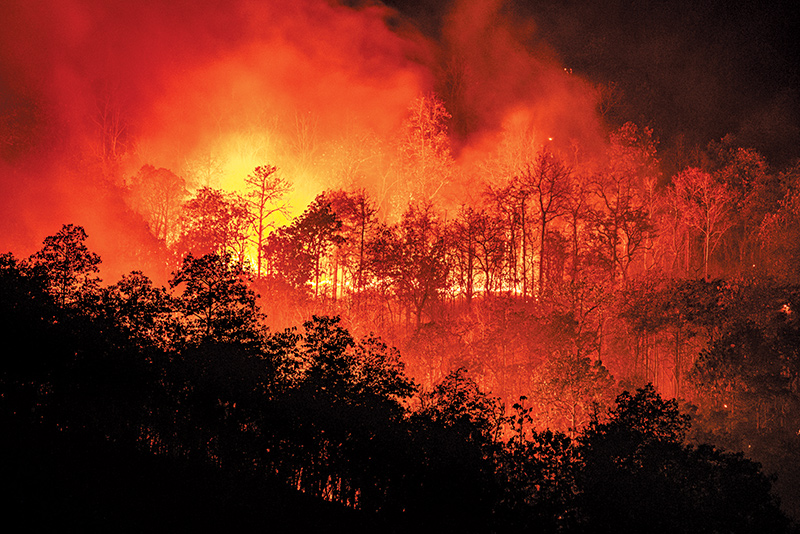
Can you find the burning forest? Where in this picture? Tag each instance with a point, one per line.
(477, 265)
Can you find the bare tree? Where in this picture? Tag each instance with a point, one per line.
(112, 131)
(548, 181)
(621, 220)
(425, 148)
(265, 197)
(706, 204)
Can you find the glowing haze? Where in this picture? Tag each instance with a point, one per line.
(92, 90)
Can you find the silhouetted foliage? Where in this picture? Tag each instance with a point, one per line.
(295, 253)
(71, 269)
(113, 405)
(213, 222)
(638, 475)
(215, 299)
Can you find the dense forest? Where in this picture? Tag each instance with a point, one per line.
(132, 407)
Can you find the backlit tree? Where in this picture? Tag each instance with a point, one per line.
(214, 222)
(426, 163)
(68, 265)
(158, 195)
(265, 198)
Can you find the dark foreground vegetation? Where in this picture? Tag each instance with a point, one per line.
(131, 408)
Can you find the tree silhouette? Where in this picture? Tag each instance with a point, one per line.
(463, 240)
(410, 258)
(358, 216)
(548, 180)
(140, 308)
(266, 190)
(315, 232)
(215, 300)
(70, 268)
(214, 222)
(638, 475)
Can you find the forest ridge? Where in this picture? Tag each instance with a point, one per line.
(182, 393)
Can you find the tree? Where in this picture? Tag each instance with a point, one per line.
(576, 212)
(510, 200)
(753, 192)
(458, 402)
(288, 265)
(548, 180)
(747, 375)
(214, 222)
(339, 420)
(622, 221)
(215, 300)
(569, 387)
(112, 133)
(316, 230)
(296, 254)
(705, 204)
(490, 248)
(266, 190)
(638, 475)
(141, 309)
(536, 472)
(158, 195)
(425, 149)
(332, 359)
(356, 211)
(779, 232)
(410, 258)
(462, 238)
(70, 268)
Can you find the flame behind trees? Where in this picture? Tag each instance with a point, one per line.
(410, 259)
(357, 213)
(265, 198)
(549, 182)
(296, 253)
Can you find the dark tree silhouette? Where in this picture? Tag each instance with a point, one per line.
(215, 300)
(140, 308)
(296, 254)
(69, 266)
(548, 181)
(638, 475)
(410, 258)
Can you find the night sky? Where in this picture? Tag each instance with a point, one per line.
(700, 70)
